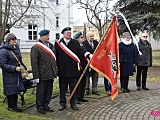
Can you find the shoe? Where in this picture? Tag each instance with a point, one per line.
(77, 102)
(48, 109)
(123, 90)
(145, 88)
(87, 92)
(74, 107)
(108, 93)
(82, 100)
(13, 109)
(128, 90)
(19, 109)
(139, 88)
(41, 111)
(96, 93)
(61, 108)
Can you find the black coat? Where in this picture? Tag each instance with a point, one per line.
(127, 57)
(146, 58)
(67, 67)
(43, 65)
(11, 78)
(83, 60)
(88, 47)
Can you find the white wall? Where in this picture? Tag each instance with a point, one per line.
(65, 15)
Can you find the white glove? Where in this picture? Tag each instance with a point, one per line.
(35, 81)
(90, 56)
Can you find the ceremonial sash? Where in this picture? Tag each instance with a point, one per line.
(69, 53)
(46, 49)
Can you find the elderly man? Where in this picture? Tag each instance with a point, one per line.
(81, 89)
(43, 62)
(91, 45)
(144, 61)
(68, 52)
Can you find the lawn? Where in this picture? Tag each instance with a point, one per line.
(154, 71)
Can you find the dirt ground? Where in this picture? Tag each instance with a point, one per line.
(155, 70)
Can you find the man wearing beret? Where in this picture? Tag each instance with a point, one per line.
(43, 62)
(81, 88)
(68, 52)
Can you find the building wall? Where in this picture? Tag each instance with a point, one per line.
(61, 10)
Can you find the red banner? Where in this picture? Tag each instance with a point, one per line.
(105, 58)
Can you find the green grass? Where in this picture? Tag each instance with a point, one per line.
(7, 115)
(153, 76)
(156, 58)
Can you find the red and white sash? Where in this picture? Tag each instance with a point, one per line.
(69, 53)
(46, 49)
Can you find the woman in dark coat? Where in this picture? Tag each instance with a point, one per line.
(12, 82)
(127, 54)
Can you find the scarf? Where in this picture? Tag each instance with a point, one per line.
(126, 42)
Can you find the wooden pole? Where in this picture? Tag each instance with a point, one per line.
(88, 64)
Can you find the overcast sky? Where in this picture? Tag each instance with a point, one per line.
(79, 16)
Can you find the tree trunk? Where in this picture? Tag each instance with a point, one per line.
(1, 26)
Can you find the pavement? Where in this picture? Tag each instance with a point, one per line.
(135, 105)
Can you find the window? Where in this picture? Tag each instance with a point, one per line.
(57, 36)
(32, 31)
(57, 21)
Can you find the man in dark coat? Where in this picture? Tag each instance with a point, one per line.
(144, 61)
(91, 45)
(68, 52)
(43, 62)
(81, 88)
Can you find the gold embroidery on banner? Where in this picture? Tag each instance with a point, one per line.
(102, 53)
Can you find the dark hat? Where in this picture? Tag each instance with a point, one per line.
(126, 34)
(77, 35)
(66, 29)
(9, 36)
(44, 32)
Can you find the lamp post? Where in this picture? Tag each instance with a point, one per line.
(84, 31)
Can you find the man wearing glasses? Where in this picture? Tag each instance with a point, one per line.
(91, 45)
(144, 61)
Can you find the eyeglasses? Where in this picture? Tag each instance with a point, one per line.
(145, 36)
(81, 36)
(14, 38)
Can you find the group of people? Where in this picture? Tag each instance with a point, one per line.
(67, 59)
(129, 59)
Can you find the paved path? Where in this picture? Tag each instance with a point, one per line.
(136, 105)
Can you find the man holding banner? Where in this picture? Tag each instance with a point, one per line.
(68, 52)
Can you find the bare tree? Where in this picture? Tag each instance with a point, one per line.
(96, 12)
(19, 13)
(11, 12)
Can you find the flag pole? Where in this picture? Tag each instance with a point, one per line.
(84, 71)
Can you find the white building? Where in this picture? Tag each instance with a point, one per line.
(44, 14)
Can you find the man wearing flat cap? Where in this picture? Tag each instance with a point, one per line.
(43, 62)
(81, 88)
(68, 52)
